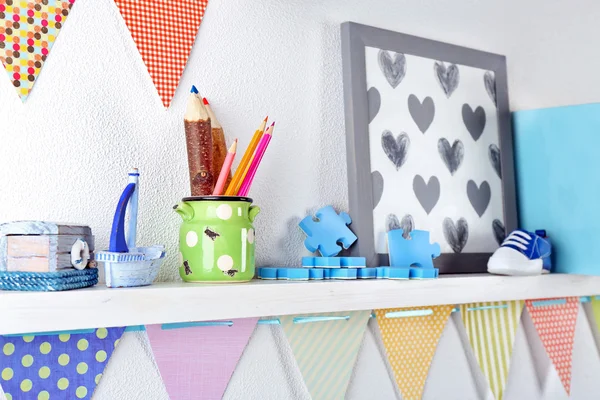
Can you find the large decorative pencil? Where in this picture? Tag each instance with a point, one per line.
(218, 139)
(240, 172)
(198, 138)
(225, 170)
(260, 152)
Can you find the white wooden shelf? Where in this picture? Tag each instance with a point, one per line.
(23, 312)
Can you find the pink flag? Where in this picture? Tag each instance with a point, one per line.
(197, 362)
(555, 323)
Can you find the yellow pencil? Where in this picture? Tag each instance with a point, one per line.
(242, 169)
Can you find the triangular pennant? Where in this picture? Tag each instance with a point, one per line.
(554, 321)
(595, 302)
(325, 348)
(410, 342)
(67, 366)
(164, 32)
(491, 329)
(198, 361)
(28, 30)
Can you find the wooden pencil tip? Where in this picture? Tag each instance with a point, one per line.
(206, 103)
(273, 124)
(194, 90)
(266, 118)
(233, 147)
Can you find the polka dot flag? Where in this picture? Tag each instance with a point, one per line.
(164, 32)
(28, 30)
(410, 344)
(555, 324)
(56, 367)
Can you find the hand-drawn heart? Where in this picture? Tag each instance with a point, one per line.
(494, 155)
(377, 181)
(448, 77)
(394, 69)
(453, 155)
(489, 80)
(474, 120)
(407, 224)
(499, 231)
(374, 100)
(479, 196)
(395, 148)
(456, 235)
(428, 193)
(421, 113)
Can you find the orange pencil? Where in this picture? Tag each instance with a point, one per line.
(260, 152)
(242, 169)
(225, 170)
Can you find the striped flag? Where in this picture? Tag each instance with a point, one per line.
(325, 348)
(491, 329)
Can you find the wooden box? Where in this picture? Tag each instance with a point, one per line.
(37, 246)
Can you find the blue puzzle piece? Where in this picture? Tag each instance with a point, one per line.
(324, 234)
(366, 273)
(266, 273)
(315, 274)
(416, 251)
(293, 274)
(342, 273)
(326, 262)
(424, 273)
(303, 274)
(334, 262)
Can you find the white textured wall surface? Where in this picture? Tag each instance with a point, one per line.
(94, 113)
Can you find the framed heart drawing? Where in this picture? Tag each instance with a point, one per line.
(429, 145)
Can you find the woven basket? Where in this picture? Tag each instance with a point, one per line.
(48, 281)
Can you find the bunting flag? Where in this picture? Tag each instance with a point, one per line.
(28, 30)
(197, 360)
(164, 33)
(491, 329)
(410, 340)
(595, 302)
(62, 367)
(555, 321)
(325, 348)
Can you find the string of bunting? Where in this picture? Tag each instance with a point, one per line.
(200, 357)
(28, 29)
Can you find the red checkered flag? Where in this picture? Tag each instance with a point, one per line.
(164, 32)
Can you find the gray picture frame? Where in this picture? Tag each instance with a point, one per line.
(355, 37)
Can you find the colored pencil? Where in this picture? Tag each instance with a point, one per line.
(225, 170)
(260, 152)
(198, 138)
(240, 172)
(218, 140)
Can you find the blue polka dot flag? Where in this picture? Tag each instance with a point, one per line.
(67, 366)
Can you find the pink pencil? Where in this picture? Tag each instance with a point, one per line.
(260, 152)
(225, 169)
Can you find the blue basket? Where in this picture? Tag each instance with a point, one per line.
(48, 281)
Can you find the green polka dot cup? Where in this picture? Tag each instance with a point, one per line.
(216, 239)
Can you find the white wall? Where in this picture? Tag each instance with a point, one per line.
(94, 113)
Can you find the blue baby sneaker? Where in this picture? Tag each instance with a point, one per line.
(522, 253)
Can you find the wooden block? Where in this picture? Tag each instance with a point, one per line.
(43, 246)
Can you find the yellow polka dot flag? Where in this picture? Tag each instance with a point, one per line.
(595, 302)
(325, 347)
(66, 366)
(28, 30)
(491, 328)
(410, 343)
